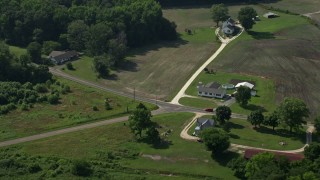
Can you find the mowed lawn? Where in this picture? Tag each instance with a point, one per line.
(177, 158)
(242, 132)
(160, 70)
(198, 102)
(74, 108)
(286, 50)
(17, 51)
(264, 100)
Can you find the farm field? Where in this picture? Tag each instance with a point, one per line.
(316, 17)
(74, 108)
(297, 6)
(288, 53)
(175, 159)
(242, 132)
(150, 70)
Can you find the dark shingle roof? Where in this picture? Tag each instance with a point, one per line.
(61, 55)
(202, 121)
(213, 85)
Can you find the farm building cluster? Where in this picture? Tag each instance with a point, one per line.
(216, 90)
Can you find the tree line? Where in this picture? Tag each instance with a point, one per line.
(267, 166)
(103, 29)
(169, 3)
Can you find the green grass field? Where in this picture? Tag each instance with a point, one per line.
(198, 102)
(242, 132)
(17, 51)
(177, 158)
(74, 108)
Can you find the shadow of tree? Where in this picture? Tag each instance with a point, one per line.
(261, 35)
(253, 107)
(234, 136)
(225, 157)
(235, 126)
(283, 133)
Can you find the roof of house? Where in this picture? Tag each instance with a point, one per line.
(236, 81)
(59, 55)
(249, 153)
(56, 53)
(205, 121)
(270, 14)
(228, 24)
(212, 87)
(249, 85)
(211, 90)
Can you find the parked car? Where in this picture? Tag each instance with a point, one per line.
(208, 109)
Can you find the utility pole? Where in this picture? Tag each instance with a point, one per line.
(134, 94)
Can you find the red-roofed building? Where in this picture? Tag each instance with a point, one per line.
(249, 153)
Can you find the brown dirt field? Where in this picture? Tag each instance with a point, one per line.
(297, 6)
(161, 70)
(316, 17)
(292, 62)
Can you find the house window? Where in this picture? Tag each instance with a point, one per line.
(210, 94)
(206, 93)
(218, 94)
(200, 92)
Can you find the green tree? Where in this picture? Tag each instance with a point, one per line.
(81, 168)
(238, 165)
(272, 120)
(258, 162)
(70, 66)
(243, 95)
(140, 120)
(117, 49)
(24, 60)
(34, 50)
(219, 12)
(216, 140)
(317, 124)
(223, 113)
(245, 17)
(49, 46)
(153, 134)
(101, 65)
(312, 152)
(77, 35)
(256, 118)
(292, 112)
(99, 35)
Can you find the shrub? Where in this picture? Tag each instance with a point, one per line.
(81, 168)
(107, 105)
(42, 98)
(95, 108)
(65, 89)
(34, 168)
(24, 107)
(69, 66)
(41, 88)
(53, 98)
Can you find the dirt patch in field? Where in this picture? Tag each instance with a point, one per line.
(170, 159)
